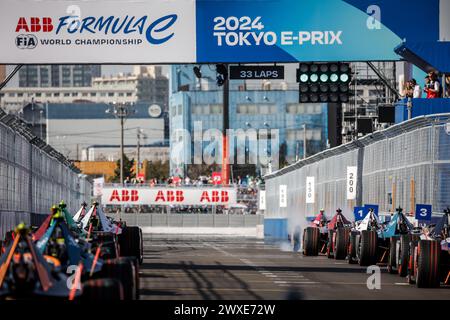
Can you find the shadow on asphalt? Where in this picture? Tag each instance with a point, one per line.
(148, 292)
(207, 293)
(177, 266)
(242, 283)
(147, 275)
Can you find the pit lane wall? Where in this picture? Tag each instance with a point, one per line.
(33, 177)
(404, 165)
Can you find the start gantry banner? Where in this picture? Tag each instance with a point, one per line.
(155, 31)
(190, 196)
(205, 31)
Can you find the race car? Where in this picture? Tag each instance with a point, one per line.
(80, 213)
(72, 250)
(315, 237)
(365, 244)
(400, 233)
(327, 237)
(26, 273)
(339, 229)
(429, 263)
(127, 240)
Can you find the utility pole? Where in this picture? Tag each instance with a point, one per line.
(138, 152)
(226, 126)
(121, 148)
(122, 112)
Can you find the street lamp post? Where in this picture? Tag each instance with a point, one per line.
(140, 134)
(226, 125)
(121, 111)
(121, 148)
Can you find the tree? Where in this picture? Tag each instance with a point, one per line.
(196, 170)
(128, 169)
(242, 170)
(283, 155)
(158, 170)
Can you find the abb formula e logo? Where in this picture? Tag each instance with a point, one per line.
(26, 41)
(34, 24)
(155, 31)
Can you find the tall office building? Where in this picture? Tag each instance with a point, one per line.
(196, 105)
(58, 75)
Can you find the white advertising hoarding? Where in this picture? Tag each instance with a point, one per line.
(262, 200)
(352, 177)
(169, 196)
(283, 196)
(310, 190)
(90, 31)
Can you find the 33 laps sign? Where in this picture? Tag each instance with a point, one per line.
(256, 72)
(423, 212)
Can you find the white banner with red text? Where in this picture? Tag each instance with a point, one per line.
(169, 196)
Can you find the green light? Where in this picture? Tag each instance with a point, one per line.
(334, 77)
(304, 78)
(344, 77)
(314, 77)
(324, 77)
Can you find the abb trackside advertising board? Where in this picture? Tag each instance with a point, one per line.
(169, 196)
(210, 31)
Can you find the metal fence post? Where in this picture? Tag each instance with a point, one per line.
(432, 169)
(30, 180)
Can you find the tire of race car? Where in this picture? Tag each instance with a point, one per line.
(352, 258)
(330, 249)
(428, 263)
(130, 242)
(102, 289)
(392, 263)
(311, 241)
(341, 242)
(135, 263)
(368, 249)
(412, 260)
(141, 258)
(123, 270)
(403, 255)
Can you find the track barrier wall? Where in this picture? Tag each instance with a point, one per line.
(33, 177)
(404, 165)
(192, 220)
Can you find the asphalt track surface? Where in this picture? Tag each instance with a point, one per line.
(178, 267)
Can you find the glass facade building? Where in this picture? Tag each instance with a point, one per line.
(195, 103)
(58, 75)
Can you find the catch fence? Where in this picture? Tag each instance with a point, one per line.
(33, 176)
(404, 165)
